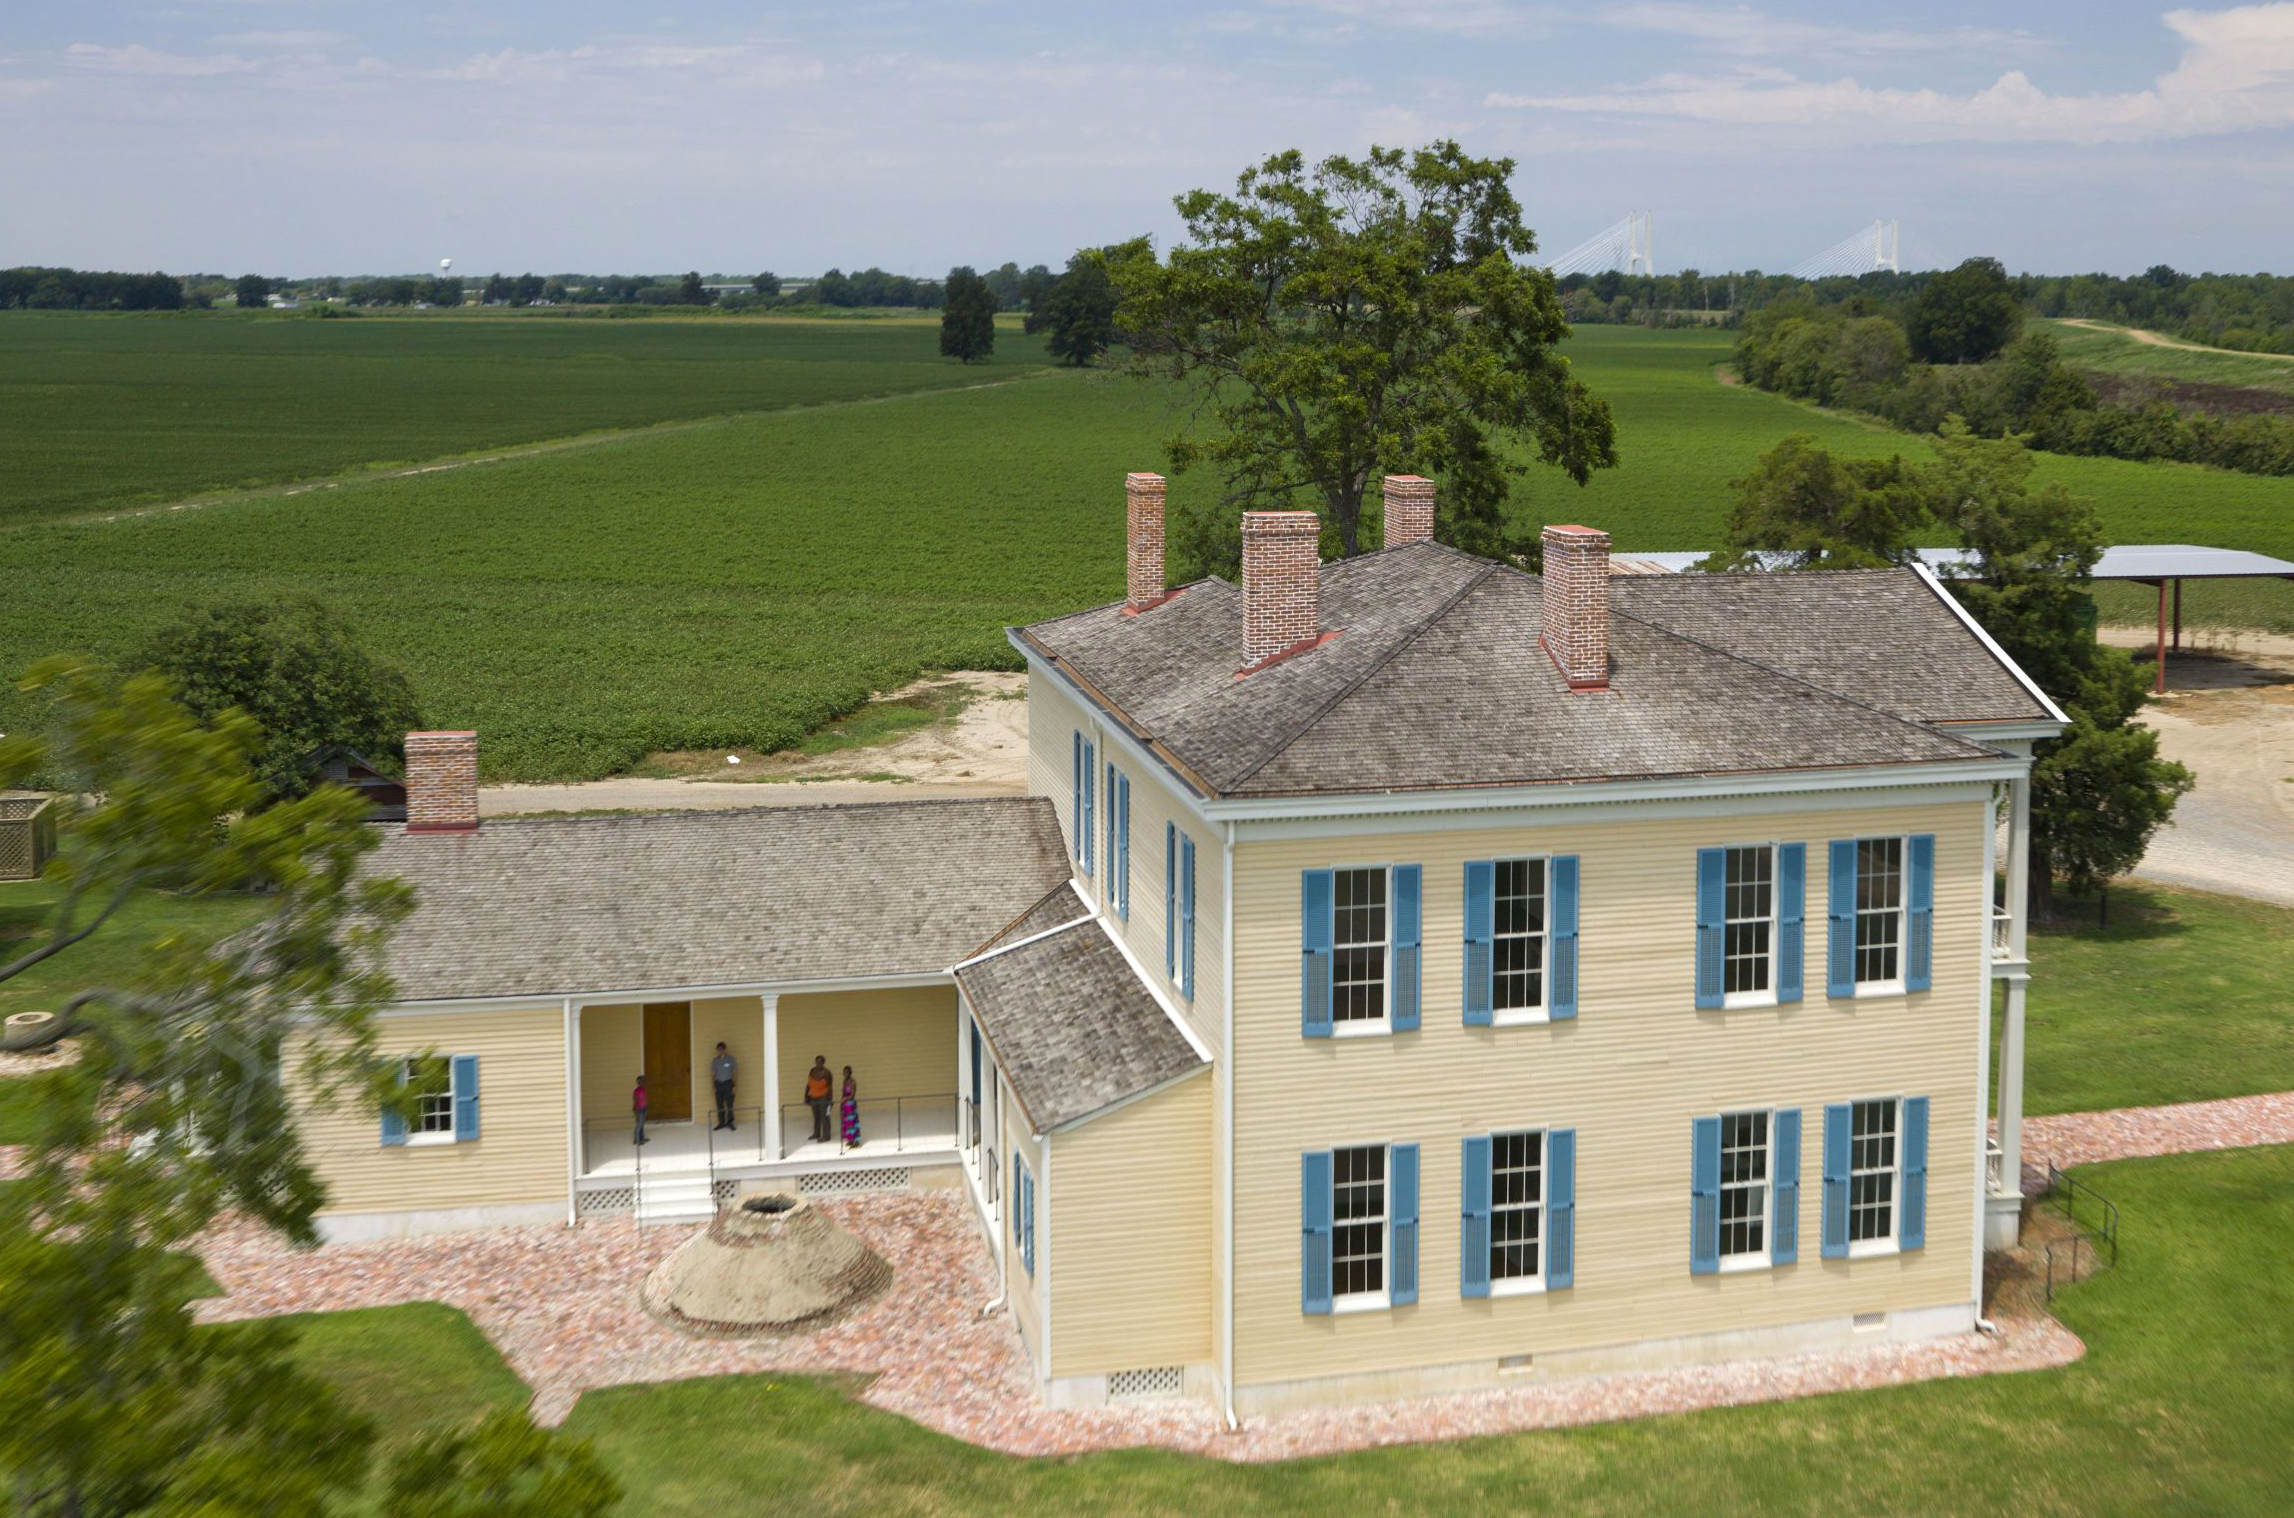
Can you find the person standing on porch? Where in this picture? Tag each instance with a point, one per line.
(816, 1097)
(637, 1110)
(721, 1077)
(851, 1112)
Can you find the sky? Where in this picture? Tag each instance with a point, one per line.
(299, 137)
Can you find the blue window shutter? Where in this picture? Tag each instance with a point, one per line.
(1077, 815)
(1474, 1219)
(1027, 1246)
(1171, 899)
(1561, 992)
(1317, 902)
(1090, 798)
(1481, 932)
(1712, 916)
(1840, 937)
(1784, 1220)
(1835, 1242)
(1407, 892)
(1791, 906)
(1560, 1208)
(1402, 1225)
(465, 1070)
(1704, 1196)
(1187, 917)
(1121, 861)
(1912, 1227)
(1015, 1207)
(393, 1125)
(1314, 1240)
(1920, 918)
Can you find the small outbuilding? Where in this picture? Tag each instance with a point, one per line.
(27, 834)
(385, 793)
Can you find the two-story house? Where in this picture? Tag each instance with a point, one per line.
(1407, 973)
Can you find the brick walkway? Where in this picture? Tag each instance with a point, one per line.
(2125, 1133)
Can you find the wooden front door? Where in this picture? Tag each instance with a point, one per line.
(669, 1061)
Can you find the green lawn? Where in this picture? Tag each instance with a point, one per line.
(2184, 1403)
(2113, 350)
(412, 1369)
(739, 584)
(2184, 997)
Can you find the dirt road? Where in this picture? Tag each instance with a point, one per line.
(2231, 720)
(2161, 340)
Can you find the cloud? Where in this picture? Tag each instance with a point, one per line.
(306, 40)
(740, 62)
(1741, 31)
(136, 59)
(2236, 74)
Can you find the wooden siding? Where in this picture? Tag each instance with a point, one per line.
(1130, 1243)
(1053, 719)
(899, 1042)
(520, 1152)
(1023, 1291)
(612, 1052)
(1629, 1074)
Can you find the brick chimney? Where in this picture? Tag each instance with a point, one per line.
(1282, 567)
(1576, 620)
(441, 782)
(1143, 536)
(1409, 509)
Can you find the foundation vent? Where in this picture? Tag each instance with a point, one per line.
(1514, 1365)
(1866, 1322)
(829, 1182)
(1150, 1383)
(605, 1201)
(725, 1193)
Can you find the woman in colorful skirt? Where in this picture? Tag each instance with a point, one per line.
(851, 1112)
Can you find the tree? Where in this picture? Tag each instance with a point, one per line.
(1080, 311)
(504, 1467)
(297, 672)
(767, 285)
(1805, 509)
(253, 291)
(1964, 315)
(968, 321)
(690, 290)
(1357, 318)
(1004, 283)
(1035, 288)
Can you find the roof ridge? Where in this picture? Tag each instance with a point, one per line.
(757, 809)
(1085, 611)
(1416, 632)
(1822, 690)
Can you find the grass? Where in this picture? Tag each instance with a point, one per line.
(738, 585)
(26, 908)
(2181, 998)
(2184, 1403)
(879, 722)
(2113, 350)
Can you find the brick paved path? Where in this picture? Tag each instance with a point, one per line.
(2123, 1133)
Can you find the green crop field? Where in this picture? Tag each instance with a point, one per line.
(742, 582)
(111, 411)
(2115, 350)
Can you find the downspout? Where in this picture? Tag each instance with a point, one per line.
(1227, 1124)
(573, 1113)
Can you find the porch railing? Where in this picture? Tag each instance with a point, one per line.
(1994, 1168)
(2002, 932)
(906, 1122)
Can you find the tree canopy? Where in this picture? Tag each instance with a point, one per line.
(1964, 315)
(1079, 311)
(968, 320)
(1358, 317)
(1801, 508)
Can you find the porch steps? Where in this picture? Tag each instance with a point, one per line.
(675, 1197)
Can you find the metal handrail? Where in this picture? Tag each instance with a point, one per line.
(872, 1116)
(2067, 1189)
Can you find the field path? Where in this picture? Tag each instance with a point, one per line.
(603, 438)
(2161, 340)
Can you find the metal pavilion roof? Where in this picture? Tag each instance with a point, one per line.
(2146, 562)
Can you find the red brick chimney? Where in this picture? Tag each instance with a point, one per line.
(1576, 621)
(1282, 567)
(1143, 532)
(441, 782)
(1409, 509)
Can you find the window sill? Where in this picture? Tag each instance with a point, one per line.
(1378, 1029)
(1347, 1306)
(1744, 1264)
(1520, 1017)
(428, 1140)
(1874, 1249)
(1532, 1287)
(1739, 1000)
(1867, 991)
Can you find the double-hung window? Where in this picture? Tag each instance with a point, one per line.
(1520, 940)
(1748, 924)
(444, 1108)
(1086, 778)
(1118, 855)
(1749, 904)
(1359, 1245)
(1518, 1205)
(1358, 981)
(1179, 909)
(1744, 1171)
(1517, 1209)
(1875, 1176)
(1879, 911)
(1358, 1235)
(1745, 1190)
(1517, 940)
(1358, 928)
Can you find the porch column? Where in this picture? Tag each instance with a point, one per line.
(2017, 976)
(772, 1104)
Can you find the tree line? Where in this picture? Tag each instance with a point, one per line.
(38, 289)
(1958, 349)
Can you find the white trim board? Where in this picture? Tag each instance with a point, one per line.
(1975, 627)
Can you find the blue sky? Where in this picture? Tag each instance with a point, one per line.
(306, 136)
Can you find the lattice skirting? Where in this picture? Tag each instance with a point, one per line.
(826, 1182)
(604, 1202)
(1147, 1384)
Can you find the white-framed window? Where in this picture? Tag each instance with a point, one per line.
(1517, 944)
(1875, 1132)
(1116, 803)
(1748, 925)
(1879, 913)
(432, 1121)
(1517, 1211)
(1358, 1214)
(1358, 942)
(1745, 1171)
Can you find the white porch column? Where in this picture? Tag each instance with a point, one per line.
(772, 1103)
(2017, 976)
(575, 1158)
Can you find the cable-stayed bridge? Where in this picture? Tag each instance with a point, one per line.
(1624, 247)
(1878, 246)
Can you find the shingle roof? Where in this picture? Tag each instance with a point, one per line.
(1059, 908)
(1436, 679)
(1072, 1026)
(584, 905)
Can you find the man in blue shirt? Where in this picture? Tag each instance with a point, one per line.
(721, 1077)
